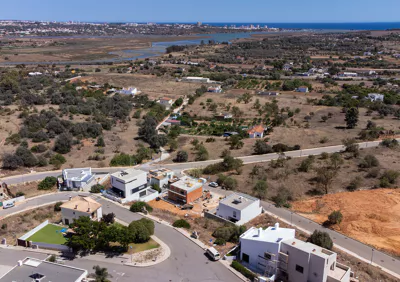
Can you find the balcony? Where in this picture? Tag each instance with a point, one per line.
(339, 273)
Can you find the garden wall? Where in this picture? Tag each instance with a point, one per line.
(22, 240)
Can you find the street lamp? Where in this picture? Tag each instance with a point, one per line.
(372, 255)
(291, 220)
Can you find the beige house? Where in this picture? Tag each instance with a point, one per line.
(80, 206)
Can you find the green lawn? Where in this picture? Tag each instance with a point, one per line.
(136, 248)
(49, 235)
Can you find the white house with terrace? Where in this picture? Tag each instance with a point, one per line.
(239, 208)
(277, 255)
(131, 185)
(80, 206)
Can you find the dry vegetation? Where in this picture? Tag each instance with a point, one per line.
(15, 226)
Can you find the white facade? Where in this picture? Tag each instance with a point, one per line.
(259, 248)
(128, 91)
(239, 208)
(131, 185)
(69, 215)
(166, 102)
(307, 262)
(160, 177)
(373, 97)
(302, 89)
(75, 178)
(196, 79)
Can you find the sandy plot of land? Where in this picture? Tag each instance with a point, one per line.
(371, 216)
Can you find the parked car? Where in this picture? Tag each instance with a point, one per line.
(8, 205)
(213, 184)
(213, 254)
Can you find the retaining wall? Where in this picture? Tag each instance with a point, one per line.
(22, 240)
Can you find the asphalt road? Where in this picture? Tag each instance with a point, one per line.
(175, 240)
(187, 261)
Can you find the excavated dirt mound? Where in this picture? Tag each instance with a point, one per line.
(370, 216)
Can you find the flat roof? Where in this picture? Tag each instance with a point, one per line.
(238, 201)
(188, 184)
(273, 234)
(127, 174)
(45, 271)
(308, 247)
(78, 174)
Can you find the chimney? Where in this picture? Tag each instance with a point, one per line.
(277, 226)
(76, 207)
(70, 197)
(294, 243)
(88, 210)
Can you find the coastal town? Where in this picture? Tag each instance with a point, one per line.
(198, 152)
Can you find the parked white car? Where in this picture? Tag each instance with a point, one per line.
(213, 184)
(8, 205)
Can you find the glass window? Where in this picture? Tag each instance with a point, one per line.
(299, 268)
(245, 257)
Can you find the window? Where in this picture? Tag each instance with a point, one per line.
(299, 268)
(245, 257)
(234, 214)
(267, 256)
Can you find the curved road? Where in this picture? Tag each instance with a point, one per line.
(175, 241)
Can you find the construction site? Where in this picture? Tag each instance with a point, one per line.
(370, 216)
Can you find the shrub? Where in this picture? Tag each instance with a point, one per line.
(138, 207)
(230, 183)
(335, 217)
(260, 148)
(354, 184)
(12, 162)
(181, 223)
(63, 143)
(96, 188)
(306, 165)
(19, 194)
(57, 206)
(47, 183)
(247, 273)
(369, 161)
(324, 156)
(282, 197)
(108, 218)
(52, 258)
(121, 159)
(373, 173)
(14, 139)
(220, 242)
(321, 239)
(57, 160)
(39, 148)
(390, 143)
(389, 177)
(181, 157)
(139, 231)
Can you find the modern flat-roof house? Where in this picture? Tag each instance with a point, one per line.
(268, 93)
(35, 270)
(303, 89)
(166, 102)
(256, 131)
(131, 185)
(275, 253)
(128, 91)
(239, 208)
(80, 206)
(374, 97)
(76, 178)
(347, 74)
(160, 177)
(186, 190)
(259, 248)
(303, 262)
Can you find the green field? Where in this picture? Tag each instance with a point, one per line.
(136, 248)
(49, 235)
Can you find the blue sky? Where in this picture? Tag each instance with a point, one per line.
(203, 10)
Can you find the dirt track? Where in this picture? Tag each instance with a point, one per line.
(371, 216)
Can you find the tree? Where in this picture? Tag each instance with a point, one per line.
(282, 197)
(47, 183)
(12, 162)
(57, 160)
(306, 165)
(260, 189)
(321, 239)
(369, 161)
(230, 183)
(173, 145)
(100, 274)
(351, 117)
(325, 177)
(100, 142)
(335, 217)
(57, 206)
(181, 223)
(236, 112)
(336, 160)
(26, 156)
(202, 153)
(108, 218)
(86, 234)
(235, 141)
(139, 231)
(181, 157)
(351, 146)
(140, 206)
(63, 143)
(261, 147)
(246, 97)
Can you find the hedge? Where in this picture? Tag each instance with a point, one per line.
(247, 273)
(181, 223)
